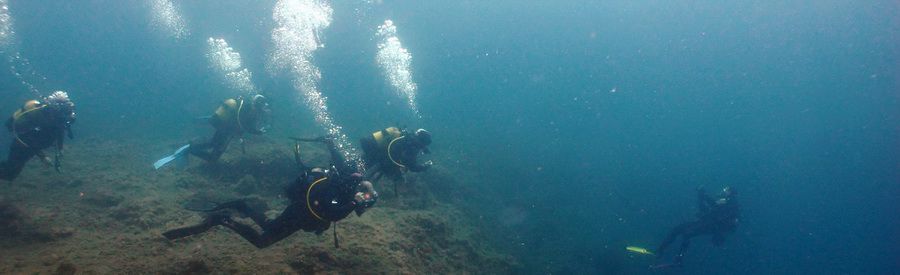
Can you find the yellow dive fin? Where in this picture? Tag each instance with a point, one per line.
(638, 250)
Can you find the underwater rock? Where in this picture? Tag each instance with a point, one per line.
(317, 260)
(66, 269)
(100, 199)
(188, 183)
(14, 223)
(246, 185)
(193, 266)
(138, 213)
(326, 258)
(11, 220)
(302, 266)
(69, 183)
(196, 267)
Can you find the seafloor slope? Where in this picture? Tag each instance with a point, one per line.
(105, 212)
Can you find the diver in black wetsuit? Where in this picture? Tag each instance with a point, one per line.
(318, 198)
(393, 151)
(232, 119)
(35, 127)
(715, 217)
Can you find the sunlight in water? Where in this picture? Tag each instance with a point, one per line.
(167, 19)
(6, 30)
(394, 60)
(19, 66)
(297, 33)
(227, 62)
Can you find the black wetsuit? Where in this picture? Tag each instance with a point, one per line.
(380, 160)
(230, 120)
(330, 199)
(712, 219)
(212, 149)
(35, 127)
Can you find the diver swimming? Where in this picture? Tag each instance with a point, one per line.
(37, 126)
(232, 119)
(716, 217)
(318, 198)
(393, 151)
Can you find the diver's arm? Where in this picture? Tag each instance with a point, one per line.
(416, 167)
(704, 202)
(413, 163)
(410, 158)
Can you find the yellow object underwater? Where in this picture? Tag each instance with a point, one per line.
(638, 250)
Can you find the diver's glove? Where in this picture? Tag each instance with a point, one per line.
(47, 161)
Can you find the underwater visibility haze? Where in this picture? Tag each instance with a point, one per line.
(569, 137)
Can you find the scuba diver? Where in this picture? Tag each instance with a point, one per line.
(232, 119)
(319, 197)
(35, 127)
(716, 217)
(393, 151)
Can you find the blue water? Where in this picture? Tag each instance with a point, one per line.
(587, 123)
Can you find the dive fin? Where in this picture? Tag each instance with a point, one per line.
(638, 250)
(201, 206)
(178, 153)
(666, 265)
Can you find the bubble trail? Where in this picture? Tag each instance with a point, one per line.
(395, 61)
(298, 27)
(6, 30)
(19, 66)
(227, 62)
(167, 19)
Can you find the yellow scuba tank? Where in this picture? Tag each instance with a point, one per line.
(226, 115)
(25, 116)
(384, 137)
(30, 106)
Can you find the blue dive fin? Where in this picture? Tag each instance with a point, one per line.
(178, 153)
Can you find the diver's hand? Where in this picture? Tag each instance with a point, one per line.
(359, 197)
(47, 161)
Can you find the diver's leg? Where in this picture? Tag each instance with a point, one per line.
(211, 149)
(200, 149)
(685, 243)
(15, 162)
(220, 144)
(673, 234)
(247, 232)
(188, 231)
(208, 222)
(286, 224)
(241, 206)
(370, 149)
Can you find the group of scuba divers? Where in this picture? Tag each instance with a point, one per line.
(320, 196)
